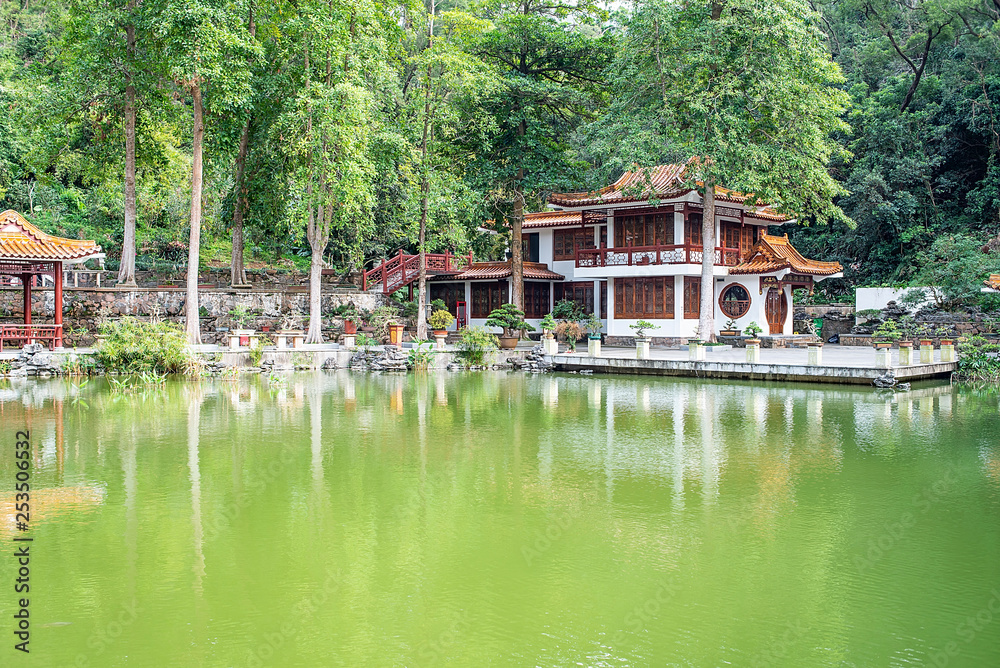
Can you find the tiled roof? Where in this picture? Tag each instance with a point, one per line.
(496, 270)
(20, 240)
(772, 253)
(552, 219)
(667, 182)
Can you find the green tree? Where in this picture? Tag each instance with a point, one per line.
(207, 45)
(551, 56)
(745, 86)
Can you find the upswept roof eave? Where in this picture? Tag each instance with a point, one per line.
(771, 254)
(29, 243)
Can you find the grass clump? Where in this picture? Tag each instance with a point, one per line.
(133, 346)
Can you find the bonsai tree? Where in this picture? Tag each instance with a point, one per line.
(888, 332)
(753, 330)
(731, 326)
(440, 319)
(640, 328)
(548, 323)
(438, 305)
(593, 325)
(509, 318)
(241, 316)
(346, 311)
(291, 323)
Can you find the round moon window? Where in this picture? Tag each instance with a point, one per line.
(735, 301)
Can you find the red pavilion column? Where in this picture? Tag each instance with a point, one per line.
(57, 306)
(26, 282)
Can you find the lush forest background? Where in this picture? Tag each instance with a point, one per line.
(357, 125)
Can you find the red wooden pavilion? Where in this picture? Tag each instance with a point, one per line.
(27, 253)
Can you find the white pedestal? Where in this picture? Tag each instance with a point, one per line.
(439, 342)
(348, 340)
(815, 356)
(593, 347)
(298, 340)
(234, 341)
(696, 351)
(753, 353)
(642, 349)
(948, 352)
(905, 355)
(927, 354)
(281, 341)
(550, 345)
(883, 358)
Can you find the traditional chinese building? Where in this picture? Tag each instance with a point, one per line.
(27, 254)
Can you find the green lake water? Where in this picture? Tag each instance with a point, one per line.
(506, 520)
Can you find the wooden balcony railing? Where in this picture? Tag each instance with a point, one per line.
(638, 256)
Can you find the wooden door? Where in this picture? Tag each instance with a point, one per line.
(692, 297)
(776, 310)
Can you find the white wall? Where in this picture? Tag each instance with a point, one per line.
(869, 298)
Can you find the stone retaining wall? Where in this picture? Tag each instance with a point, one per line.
(84, 307)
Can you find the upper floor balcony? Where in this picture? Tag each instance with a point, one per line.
(639, 256)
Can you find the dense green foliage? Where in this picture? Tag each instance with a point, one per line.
(379, 119)
(473, 345)
(129, 345)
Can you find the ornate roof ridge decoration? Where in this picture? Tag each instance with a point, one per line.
(772, 253)
(495, 270)
(21, 241)
(993, 282)
(667, 183)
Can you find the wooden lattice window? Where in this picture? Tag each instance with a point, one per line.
(536, 299)
(734, 301)
(646, 297)
(486, 297)
(645, 230)
(692, 230)
(692, 297)
(565, 242)
(581, 292)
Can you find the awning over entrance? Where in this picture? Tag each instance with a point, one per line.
(26, 252)
(771, 254)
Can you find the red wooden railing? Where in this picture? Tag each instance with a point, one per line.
(637, 256)
(401, 270)
(24, 334)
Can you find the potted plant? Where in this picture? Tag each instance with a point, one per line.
(548, 325)
(572, 331)
(594, 326)
(291, 328)
(886, 334)
(440, 321)
(641, 340)
(731, 329)
(511, 319)
(349, 312)
(753, 330)
(241, 317)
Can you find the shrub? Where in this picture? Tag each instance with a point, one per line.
(568, 311)
(548, 323)
(132, 346)
(753, 330)
(440, 319)
(975, 361)
(957, 266)
(257, 352)
(438, 305)
(509, 318)
(420, 355)
(570, 331)
(241, 316)
(473, 344)
(380, 320)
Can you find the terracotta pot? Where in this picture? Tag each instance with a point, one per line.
(947, 342)
(440, 332)
(508, 342)
(729, 332)
(350, 327)
(906, 344)
(926, 342)
(753, 342)
(883, 344)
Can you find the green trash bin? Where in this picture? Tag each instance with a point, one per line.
(818, 323)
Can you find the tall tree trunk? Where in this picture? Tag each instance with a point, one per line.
(315, 333)
(706, 312)
(237, 272)
(126, 270)
(516, 238)
(191, 305)
(422, 279)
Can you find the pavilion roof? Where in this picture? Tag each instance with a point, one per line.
(552, 219)
(772, 253)
(22, 241)
(993, 282)
(660, 182)
(479, 271)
